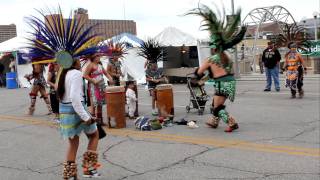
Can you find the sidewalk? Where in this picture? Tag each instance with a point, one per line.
(262, 77)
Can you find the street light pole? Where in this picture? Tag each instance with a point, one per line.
(315, 14)
(124, 9)
(237, 73)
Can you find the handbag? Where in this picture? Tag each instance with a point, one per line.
(101, 131)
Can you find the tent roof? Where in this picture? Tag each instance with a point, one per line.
(172, 36)
(14, 44)
(129, 38)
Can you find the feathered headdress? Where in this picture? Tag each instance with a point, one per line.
(60, 40)
(223, 35)
(292, 34)
(151, 50)
(116, 48)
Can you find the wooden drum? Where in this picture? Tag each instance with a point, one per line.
(116, 100)
(164, 97)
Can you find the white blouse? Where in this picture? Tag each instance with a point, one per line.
(74, 93)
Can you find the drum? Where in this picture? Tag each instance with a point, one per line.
(115, 101)
(164, 99)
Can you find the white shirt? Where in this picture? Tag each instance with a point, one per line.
(131, 96)
(74, 93)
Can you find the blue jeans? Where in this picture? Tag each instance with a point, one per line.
(274, 74)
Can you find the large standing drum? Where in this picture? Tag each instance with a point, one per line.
(164, 95)
(115, 100)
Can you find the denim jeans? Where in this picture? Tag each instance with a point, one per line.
(272, 74)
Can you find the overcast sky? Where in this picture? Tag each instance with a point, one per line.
(151, 16)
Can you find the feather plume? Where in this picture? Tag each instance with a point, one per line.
(223, 35)
(151, 50)
(292, 33)
(55, 34)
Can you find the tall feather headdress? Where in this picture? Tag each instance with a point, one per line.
(223, 35)
(116, 48)
(55, 39)
(151, 50)
(293, 33)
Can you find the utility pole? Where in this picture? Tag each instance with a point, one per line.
(236, 69)
(315, 15)
(124, 9)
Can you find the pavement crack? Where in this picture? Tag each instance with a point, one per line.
(104, 156)
(302, 132)
(226, 167)
(288, 138)
(183, 161)
(266, 175)
(13, 168)
(27, 169)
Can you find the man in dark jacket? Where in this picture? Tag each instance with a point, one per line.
(271, 58)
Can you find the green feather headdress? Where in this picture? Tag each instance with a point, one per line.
(223, 35)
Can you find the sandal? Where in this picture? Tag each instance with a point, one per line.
(213, 122)
(232, 125)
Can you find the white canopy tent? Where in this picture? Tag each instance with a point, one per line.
(14, 44)
(18, 44)
(132, 64)
(131, 39)
(172, 36)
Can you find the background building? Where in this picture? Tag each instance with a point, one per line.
(7, 32)
(309, 25)
(105, 28)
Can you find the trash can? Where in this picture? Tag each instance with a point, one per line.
(11, 80)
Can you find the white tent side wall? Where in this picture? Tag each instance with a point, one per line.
(132, 65)
(172, 36)
(203, 51)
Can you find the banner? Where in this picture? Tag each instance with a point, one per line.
(314, 49)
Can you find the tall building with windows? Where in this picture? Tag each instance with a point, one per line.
(7, 32)
(105, 28)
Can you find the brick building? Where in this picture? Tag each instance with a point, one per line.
(106, 28)
(7, 32)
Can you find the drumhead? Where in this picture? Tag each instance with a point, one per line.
(164, 86)
(115, 89)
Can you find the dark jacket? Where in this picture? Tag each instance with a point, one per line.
(270, 57)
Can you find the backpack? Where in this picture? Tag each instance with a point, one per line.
(143, 123)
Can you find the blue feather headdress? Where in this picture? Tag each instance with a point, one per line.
(55, 39)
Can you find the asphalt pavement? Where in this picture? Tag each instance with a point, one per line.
(278, 139)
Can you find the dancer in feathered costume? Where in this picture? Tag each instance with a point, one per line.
(116, 51)
(294, 38)
(94, 73)
(222, 37)
(38, 86)
(153, 52)
(64, 41)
